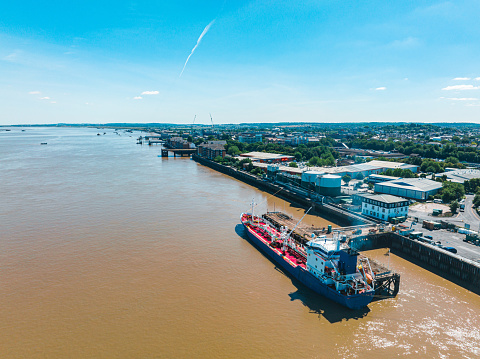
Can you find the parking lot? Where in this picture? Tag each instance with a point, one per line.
(449, 239)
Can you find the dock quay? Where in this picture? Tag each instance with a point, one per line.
(386, 281)
(328, 210)
(178, 151)
(455, 268)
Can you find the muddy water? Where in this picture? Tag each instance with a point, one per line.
(109, 251)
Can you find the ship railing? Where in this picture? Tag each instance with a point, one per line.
(364, 272)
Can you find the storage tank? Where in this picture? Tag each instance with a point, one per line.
(311, 176)
(329, 185)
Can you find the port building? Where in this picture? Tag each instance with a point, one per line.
(362, 170)
(380, 178)
(460, 175)
(212, 149)
(250, 138)
(265, 157)
(412, 188)
(383, 206)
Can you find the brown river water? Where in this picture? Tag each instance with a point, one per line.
(109, 251)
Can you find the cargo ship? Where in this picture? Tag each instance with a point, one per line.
(326, 266)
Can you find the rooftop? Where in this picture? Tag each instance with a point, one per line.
(416, 184)
(460, 176)
(389, 164)
(265, 155)
(384, 198)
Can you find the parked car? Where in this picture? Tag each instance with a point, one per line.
(450, 249)
(428, 237)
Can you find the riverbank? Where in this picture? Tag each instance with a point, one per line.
(338, 215)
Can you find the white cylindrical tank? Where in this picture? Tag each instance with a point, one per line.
(310, 176)
(329, 185)
(329, 181)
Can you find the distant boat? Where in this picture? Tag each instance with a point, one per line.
(98, 134)
(43, 143)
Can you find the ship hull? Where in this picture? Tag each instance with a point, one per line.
(356, 301)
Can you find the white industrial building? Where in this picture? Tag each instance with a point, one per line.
(384, 206)
(460, 176)
(413, 188)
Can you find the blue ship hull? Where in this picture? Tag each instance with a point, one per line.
(356, 301)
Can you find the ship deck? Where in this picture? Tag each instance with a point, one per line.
(387, 281)
(293, 257)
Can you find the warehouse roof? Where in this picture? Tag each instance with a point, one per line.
(384, 198)
(416, 184)
(265, 156)
(392, 165)
(460, 176)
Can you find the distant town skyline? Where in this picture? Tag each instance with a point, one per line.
(240, 61)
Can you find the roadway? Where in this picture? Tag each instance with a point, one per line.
(451, 239)
(469, 216)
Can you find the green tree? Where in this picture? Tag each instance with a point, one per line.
(314, 161)
(454, 206)
(476, 200)
(292, 164)
(233, 151)
(346, 178)
(360, 176)
(452, 191)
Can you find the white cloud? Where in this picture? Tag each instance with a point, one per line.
(53, 101)
(477, 78)
(461, 79)
(137, 97)
(461, 87)
(11, 57)
(34, 93)
(204, 32)
(45, 98)
(150, 93)
(383, 88)
(405, 43)
(462, 98)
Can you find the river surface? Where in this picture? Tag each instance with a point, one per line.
(109, 251)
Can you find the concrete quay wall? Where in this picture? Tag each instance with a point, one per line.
(459, 270)
(338, 216)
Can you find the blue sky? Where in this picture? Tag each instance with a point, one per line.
(258, 61)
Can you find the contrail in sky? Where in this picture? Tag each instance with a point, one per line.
(198, 43)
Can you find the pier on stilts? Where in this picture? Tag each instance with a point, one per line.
(178, 151)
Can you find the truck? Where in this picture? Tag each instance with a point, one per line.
(431, 225)
(462, 207)
(405, 232)
(416, 235)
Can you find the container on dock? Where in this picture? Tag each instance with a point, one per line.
(431, 225)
